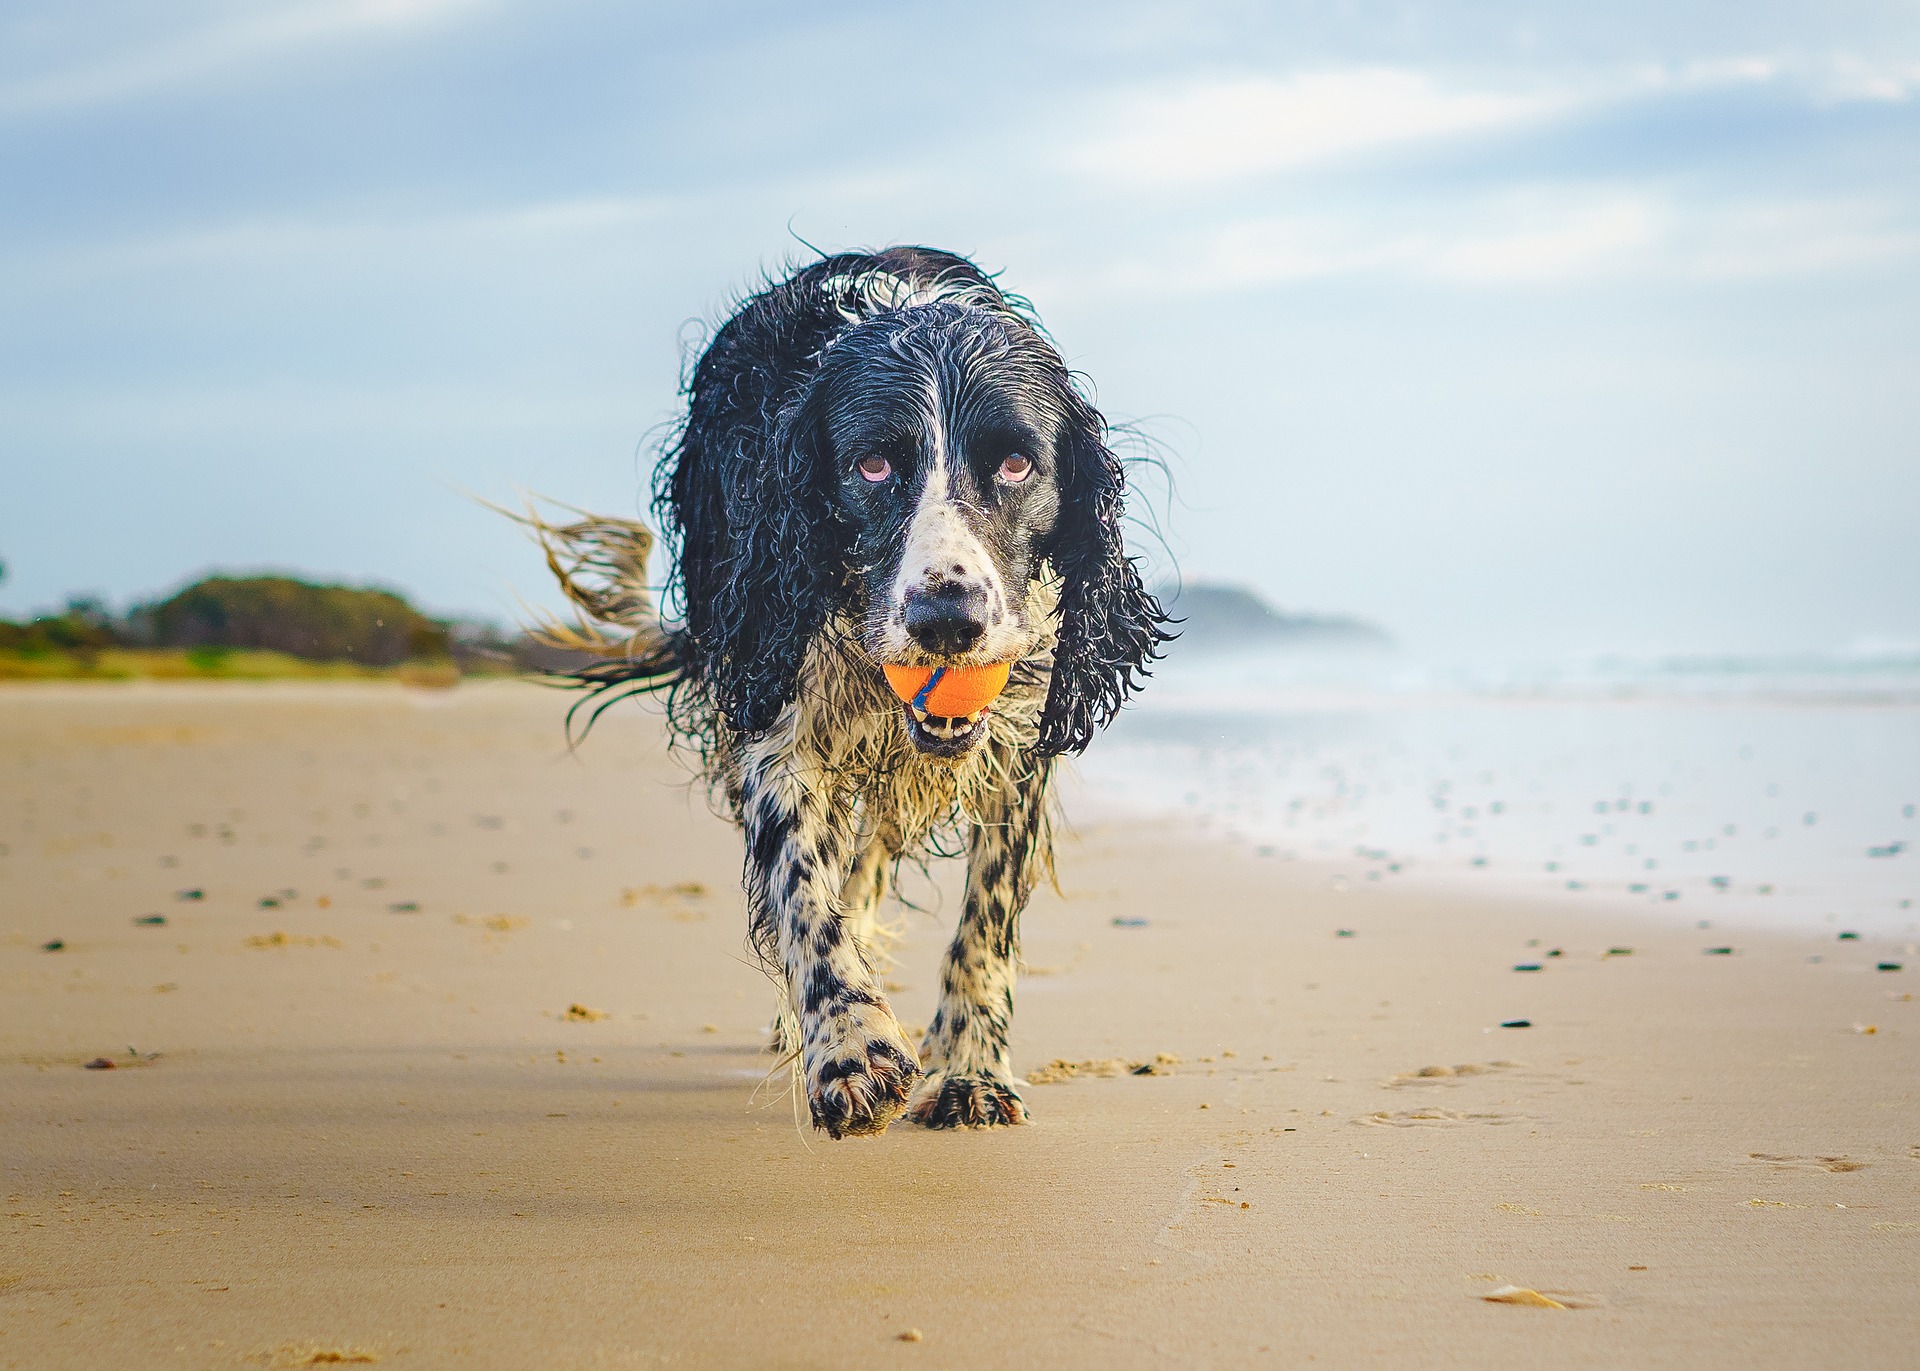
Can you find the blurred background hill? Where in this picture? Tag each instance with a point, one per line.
(265, 626)
(1218, 617)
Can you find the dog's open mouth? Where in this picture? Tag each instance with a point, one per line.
(943, 737)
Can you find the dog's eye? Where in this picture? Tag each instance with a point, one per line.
(875, 469)
(1016, 468)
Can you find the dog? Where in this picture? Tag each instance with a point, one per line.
(884, 460)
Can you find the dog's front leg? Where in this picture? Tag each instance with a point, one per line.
(857, 1065)
(969, 1080)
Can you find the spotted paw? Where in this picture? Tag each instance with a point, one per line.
(859, 1082)
(943, 1101)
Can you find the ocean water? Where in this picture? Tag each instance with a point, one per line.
(1730, 791)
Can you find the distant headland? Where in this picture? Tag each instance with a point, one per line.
(1227, 618)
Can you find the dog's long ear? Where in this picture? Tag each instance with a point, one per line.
(1110, 626)
(770, 592)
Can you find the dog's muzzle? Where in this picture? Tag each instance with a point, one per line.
(938, 736)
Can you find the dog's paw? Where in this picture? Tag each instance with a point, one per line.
(859, 1081)
(944, 1101)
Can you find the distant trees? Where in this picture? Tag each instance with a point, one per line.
(84, 627)
(322, 623)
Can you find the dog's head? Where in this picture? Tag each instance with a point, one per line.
(937, 464)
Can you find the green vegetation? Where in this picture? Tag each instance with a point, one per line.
(254, 628)
(279, 614)
(210, 664)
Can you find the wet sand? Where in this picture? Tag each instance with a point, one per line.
(371, 1129)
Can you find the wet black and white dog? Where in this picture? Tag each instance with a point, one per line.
(883, 461)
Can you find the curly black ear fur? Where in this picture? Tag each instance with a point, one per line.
(1110, 626)
(756, 602)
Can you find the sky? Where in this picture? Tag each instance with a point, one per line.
(1515, 328)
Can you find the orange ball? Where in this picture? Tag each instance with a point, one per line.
(960, 691)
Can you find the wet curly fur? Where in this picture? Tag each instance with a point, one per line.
(883, 459)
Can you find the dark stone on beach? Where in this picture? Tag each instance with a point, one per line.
(152, 921)
(268, 902)
(1849, 937)
(1527, 966)
(1888, 966)
(101, 1064)
(1719, 951)
(54, 945)
(404, 907)
(1517, 1023)
(189, 894)
(1619, 952)
(1129, 923)
(1343, 933)
(1556, 952)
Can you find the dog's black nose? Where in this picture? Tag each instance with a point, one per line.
(948, 620)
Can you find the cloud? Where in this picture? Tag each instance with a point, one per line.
(538, 226)
(1833, 78)
(1532, 237)
(1218, 131)
(1794, 238)
(1850, 77)
(1552, 242)
(219, 48)
(1210, 131)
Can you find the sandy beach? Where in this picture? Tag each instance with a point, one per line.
(455, 1059)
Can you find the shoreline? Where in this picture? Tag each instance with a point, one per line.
(1503, 884)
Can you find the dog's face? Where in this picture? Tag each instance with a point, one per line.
(944, 432)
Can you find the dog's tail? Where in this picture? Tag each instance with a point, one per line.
(618, 644)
